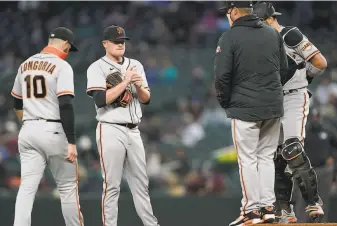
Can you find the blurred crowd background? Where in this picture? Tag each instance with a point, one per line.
(185, 132)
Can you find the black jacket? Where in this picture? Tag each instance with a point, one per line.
(250, 63)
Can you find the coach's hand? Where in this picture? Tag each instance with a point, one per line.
(72, 153)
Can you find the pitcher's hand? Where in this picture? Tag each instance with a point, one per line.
(129, 74)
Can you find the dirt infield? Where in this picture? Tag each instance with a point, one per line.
(304, 224)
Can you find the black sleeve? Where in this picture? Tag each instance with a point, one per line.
(283, 60)
(99, 98)
(67, 117)
(18, 103)
(223, 67)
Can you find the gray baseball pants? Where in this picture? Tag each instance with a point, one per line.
(44, 144)
(255, 144)
(120, 147)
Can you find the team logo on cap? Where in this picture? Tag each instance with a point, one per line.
(218, 49)
(119, 30)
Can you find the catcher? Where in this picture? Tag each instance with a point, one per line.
(118, 86)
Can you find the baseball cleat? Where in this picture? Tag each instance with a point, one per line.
(253, 217)
(286, 216)
(268, 214)
(316, 212)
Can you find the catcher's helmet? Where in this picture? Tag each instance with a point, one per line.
(235, 4)
(265, 10)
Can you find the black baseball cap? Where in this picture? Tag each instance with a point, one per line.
(235, 4)
(114, 33)
(64, 34)
(265, 10)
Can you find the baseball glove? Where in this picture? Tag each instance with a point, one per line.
(113, 80)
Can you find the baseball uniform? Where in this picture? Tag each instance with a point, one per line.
(291, 160)
(120, 145)
(41, 80)
(296, 109)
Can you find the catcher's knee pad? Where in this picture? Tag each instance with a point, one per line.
(302, 171)
(283, 181)
(292, 148)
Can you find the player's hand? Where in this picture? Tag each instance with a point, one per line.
(137, 80)
(129, 74)
(72, 153)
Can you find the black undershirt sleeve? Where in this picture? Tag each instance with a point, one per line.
(99, 98)
(67, 117)
(18, 103)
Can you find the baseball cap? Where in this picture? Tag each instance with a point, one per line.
(64, 34)
(114, 33)
(265, 10)
(235, 4)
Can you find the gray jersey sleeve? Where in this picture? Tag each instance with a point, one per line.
(300, 43)
(17, 88)
(95, 79)
(306, 49)
(65, 81)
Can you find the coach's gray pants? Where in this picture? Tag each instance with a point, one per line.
(121, 147)
(255, 144)
(40, 144)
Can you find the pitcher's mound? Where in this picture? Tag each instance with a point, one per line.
(303, 224)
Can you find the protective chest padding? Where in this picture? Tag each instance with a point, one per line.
(292, 36)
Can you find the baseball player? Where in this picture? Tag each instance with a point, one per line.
(305, 62)
(43, 91)
(117, 135)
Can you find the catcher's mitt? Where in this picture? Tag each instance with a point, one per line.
(114, 79)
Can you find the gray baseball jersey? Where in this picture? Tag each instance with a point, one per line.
(302, 51)
(40, 80)
(296, 104)
(96, 77)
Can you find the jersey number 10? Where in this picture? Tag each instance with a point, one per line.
(32, 86)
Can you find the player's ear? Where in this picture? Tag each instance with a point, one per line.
(105, 44)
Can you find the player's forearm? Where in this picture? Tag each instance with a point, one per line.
(144, 95)
(319, 61)
(19, 114)
(113, 93)
(315, 66)
(67, 117)
(18, 106)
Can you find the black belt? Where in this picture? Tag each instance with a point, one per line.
(285, 92)
(128, 125)
(41, 119)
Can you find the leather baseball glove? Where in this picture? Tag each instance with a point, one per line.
(113, 80)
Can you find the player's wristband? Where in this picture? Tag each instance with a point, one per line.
(312, 71)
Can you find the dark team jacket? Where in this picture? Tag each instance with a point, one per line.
(250, 63)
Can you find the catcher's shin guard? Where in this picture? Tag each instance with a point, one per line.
(302, 171)
(283, 183)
